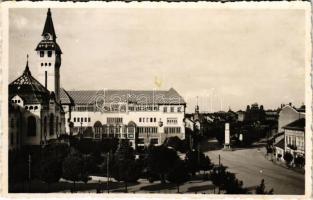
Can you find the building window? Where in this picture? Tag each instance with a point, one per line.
(165, 109)
(143, 119)
(154, 141)
(74, 119)
(88, 119)
(85, 119)
(49, 64)
(45, 64)
(36, 107)
(147, 129)
(49, 53)
(173, 130)
(154, 119)
(139, 119)
(31, 126)
(172, 109)
(179, 109)
(114, 120)
(171, 120)
(31, 107)
(98, 127)
(26, 107)
(78, 119)
(151, 120)
(42, 53)
(140, 141)
(82, 119)
(41, 64)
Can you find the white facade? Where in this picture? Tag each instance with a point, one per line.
(152, 126)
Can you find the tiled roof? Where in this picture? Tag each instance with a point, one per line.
(132, 96)
(48, 45)
(28, 88)
(296, 125)
(65, 98)
(280, 144)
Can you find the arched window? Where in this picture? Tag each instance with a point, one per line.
(31, 126)
(30, 107)
(98, 127)
(51, 124)
(36, 107)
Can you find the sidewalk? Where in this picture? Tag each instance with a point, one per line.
(272, 158)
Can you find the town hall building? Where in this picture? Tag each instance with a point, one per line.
(40, 110)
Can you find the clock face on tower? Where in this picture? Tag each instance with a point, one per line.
(47, 36)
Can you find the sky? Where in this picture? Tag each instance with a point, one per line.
(229, 58)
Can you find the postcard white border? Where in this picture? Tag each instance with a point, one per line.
(5, 6)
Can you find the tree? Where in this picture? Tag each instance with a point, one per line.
(196, 161)
(178, 174)
(125, 168)
(205, 164)
(50, 169)
(124, 151)
(192, 160)
(218, 176)
(50, 166)
(288, 158)
(160, 160)
(232, 185)
(260, 189)
(73, 167)
(127, 171)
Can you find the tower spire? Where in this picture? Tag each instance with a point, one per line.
(49, 28)
(27, 71)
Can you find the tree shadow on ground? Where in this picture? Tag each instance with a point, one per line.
(252, 146)
(251, 189)
(210, 145)
(200, 188)
(198, 178)
(159, 186)
(41, 187)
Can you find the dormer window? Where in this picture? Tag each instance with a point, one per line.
(49, 53)
(42, 53)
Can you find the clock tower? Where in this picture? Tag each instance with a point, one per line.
(49, 58)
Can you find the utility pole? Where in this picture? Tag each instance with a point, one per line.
(108, 163)
(219, 159)
(29, 171)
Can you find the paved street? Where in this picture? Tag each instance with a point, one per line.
(251, 167)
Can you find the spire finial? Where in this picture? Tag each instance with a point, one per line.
(27, 60)
(49, 11)
(27, 68)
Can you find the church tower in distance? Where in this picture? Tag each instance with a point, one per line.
(49, 58)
